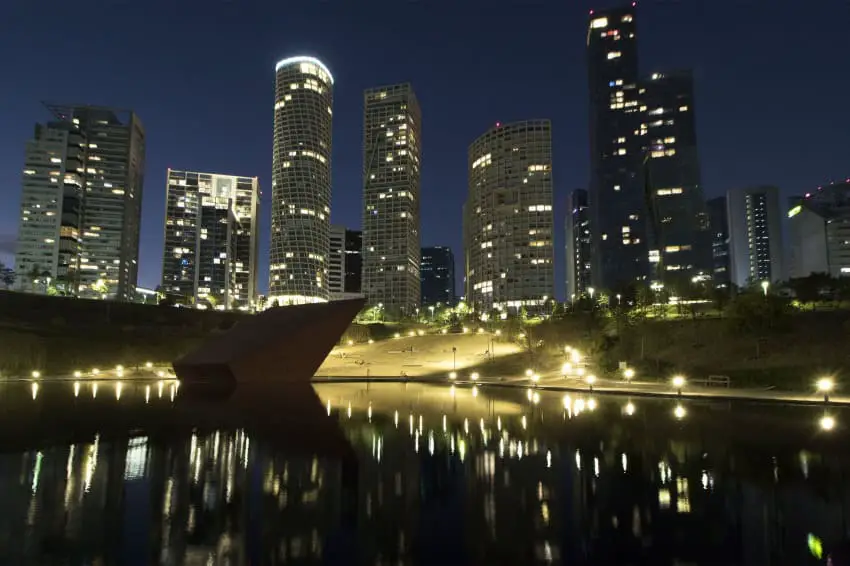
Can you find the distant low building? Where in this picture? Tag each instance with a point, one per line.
(719, 225)
(820, 231)
(577, 231)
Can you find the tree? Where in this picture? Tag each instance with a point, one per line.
(7, 276)
(809, 289)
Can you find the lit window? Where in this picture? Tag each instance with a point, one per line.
(621, 151)
(683, 108)
(627, 18)
(598, 23)
(614, 54)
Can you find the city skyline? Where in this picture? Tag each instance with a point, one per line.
(729, 99)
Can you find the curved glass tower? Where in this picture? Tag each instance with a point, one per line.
(301, 182)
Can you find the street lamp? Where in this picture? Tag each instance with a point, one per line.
(474, 376)
(629, 373)
(619, 297)
(591, 290)
(452, 375)
(764, 286)
(591, 379)
(678, 383)
(825, 385)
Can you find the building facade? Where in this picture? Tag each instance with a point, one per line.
(577, 232)
(438, 276)
(679, 236)
(616, 195)
(755, 236)
(353, 262)
(301, 182)
(345, 263)
(209, 256)
(508, 220)
(81, 202)
(719, 242)
(820, 232)
(392, 148)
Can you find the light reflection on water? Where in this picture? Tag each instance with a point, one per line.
(444, 476)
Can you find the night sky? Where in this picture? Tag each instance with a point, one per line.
(772, 88)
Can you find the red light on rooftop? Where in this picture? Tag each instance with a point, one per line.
(591, 12)
(808, 195)
(498, 124)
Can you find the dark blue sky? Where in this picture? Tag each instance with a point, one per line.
(772, 82)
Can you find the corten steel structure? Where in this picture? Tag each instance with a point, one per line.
(210, 248)
(616, 194)
(301, 182)
(95, 166)
(391, 168)
(508, 221)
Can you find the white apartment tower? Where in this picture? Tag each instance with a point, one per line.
(301, 182)
(508, 221)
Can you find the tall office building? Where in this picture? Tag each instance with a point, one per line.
(820, 231)
(353, 261)
(81, 202)
(391, 167)
(755, 235)
(616, 196)
(719, 241)
(679, 236)
(336, 261)
(577, 232)
(345, 263)
(508, 221)
(210, 248)
(301, 182)
(438, 276)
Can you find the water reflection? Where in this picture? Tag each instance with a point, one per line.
(444, 476)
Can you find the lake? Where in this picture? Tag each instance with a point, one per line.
(141, 472)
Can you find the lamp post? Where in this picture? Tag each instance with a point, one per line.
(825, 385)
(764, 286)
(591, 379)
(591, 290)
(678, 383)
(454, 357)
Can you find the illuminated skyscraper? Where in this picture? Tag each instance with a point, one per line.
(81, 203)
(508, 222)
(616, 195)
(391, 164)
(210, 248)
(679, 235)
(301, 182)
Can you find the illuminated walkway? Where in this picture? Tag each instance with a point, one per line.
(619, 387)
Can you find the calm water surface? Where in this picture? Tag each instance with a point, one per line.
(135, 473)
